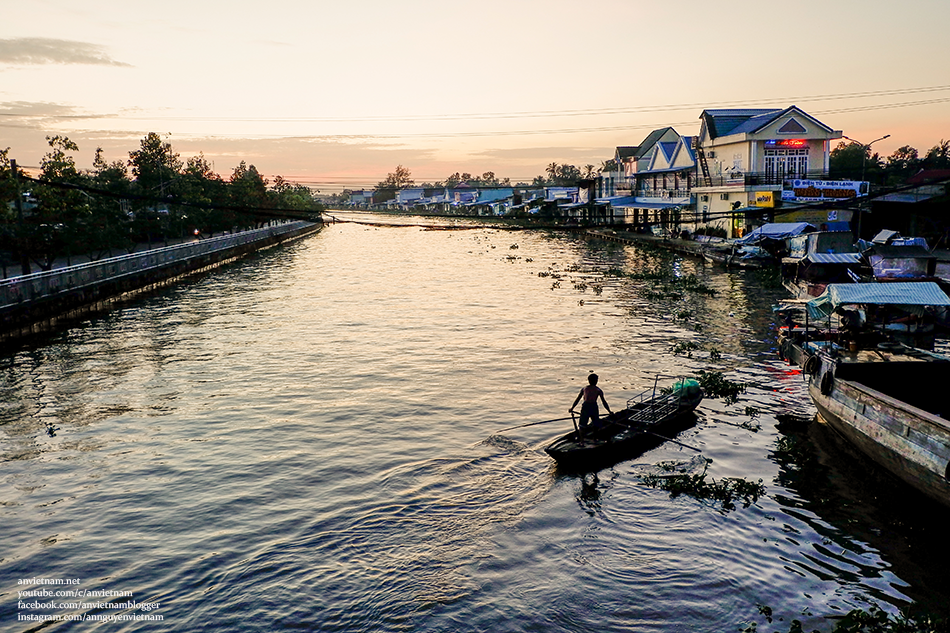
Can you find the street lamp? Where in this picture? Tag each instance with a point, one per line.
(864, 163)
(866, 146)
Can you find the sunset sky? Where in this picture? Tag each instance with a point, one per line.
(336, 94)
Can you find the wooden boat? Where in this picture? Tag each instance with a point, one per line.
(648, 421)
(734, 256)
(817, 259)
(883, 396)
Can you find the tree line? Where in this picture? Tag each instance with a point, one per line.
(854, 161)
(555, 176)
(154, 196)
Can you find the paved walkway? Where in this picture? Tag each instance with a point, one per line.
(14, 270)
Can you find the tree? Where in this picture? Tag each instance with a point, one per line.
(901, 164)
(938, 156)
(854, 161)
(248, 188)
(568, 175)
(154, 165)
(399, 179)
(553, 170)
(10, 229)
(108, 224)
(290, 195)
(488, 179)
(55, 225)
(453, 180)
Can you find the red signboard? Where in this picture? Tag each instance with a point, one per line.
(788, 143)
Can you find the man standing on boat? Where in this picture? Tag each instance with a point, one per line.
(589, 411)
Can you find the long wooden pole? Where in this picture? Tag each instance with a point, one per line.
(534, 424)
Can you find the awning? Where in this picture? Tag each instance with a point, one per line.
(834, 258)
(920, 294)
(885, 236)
(776, 231)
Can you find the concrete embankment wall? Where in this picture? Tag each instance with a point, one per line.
(33, 299)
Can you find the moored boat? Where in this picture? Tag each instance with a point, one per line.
(733, 256)
(883, 396)
(649, 420)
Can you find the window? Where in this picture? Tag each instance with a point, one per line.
(786, 162)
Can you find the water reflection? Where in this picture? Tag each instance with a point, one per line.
(308, 439)
(870, 525)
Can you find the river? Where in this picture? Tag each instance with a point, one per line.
(309, 439)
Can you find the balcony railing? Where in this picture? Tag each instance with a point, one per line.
(734, 179)
(754, 179)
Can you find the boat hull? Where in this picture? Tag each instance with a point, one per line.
(911, 443)
(617, 441)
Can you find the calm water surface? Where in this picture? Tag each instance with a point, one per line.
(309, 439)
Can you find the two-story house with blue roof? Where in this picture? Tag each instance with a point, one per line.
(746, 156)
(657, 181)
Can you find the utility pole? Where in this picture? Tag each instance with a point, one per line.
(864, 164)
(24, 260)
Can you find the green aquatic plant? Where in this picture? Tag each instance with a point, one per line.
(873, 620)
(685, 347)
(641, 275)
(727, 491)
(692, 284)
(714, 384)
(661, 293)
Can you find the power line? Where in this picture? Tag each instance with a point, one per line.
(557, 113)
(538, 114)
(546, 131)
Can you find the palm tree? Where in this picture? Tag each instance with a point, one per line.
(553, 170)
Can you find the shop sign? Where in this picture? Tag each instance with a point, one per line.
(786, 143)
(764, 199)
(817, 190)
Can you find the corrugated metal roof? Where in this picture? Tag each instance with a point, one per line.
(834, 258)
(651, 140)
(723, 122)
(920, 293)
